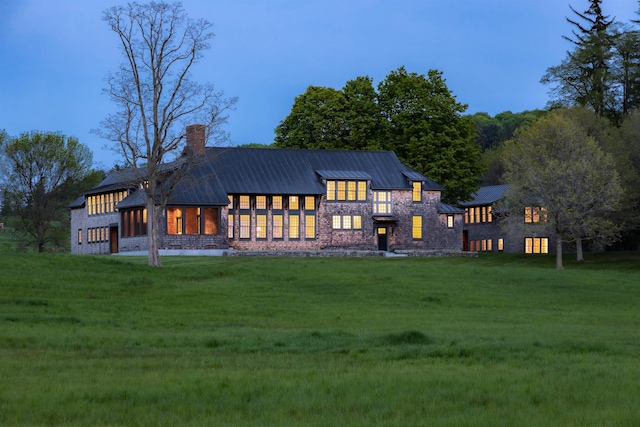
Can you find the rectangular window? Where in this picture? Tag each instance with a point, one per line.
(261, 202)
(450, 221)
(501, 245)
(261, 226)
(80, 236)
(472, 245)
(484, 214)
(477, 215)
(337, 222)
(331, 190)
(309, 226)
(416, 230)
(417, 191)
(466, 215)
(230, 226)
(294, 226)
(342, 190)
(276, 201)
(357, 222)
(534, 214)
(362, 190)
(244, 202)
(277, 226)
(230, 205)
(484, 245)
(245, 226)
(536, 245)
(382, 202)
(294, 203)
(490, 245)
(346, 222)
(174, 220)
(191, 221)
(134, 223)
(489, 214)
(210, 220)
(309, 203)
(351, 190)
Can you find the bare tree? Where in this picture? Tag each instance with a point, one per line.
(157, 98)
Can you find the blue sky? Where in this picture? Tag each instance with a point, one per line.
(55, 54)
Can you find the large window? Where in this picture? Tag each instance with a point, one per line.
(347, 222)
(190, 220)
(261, 226)
(277, 226)
(478, 214)
(104, 203)
(309, 226)
(416, 228)
(245, 226)
(134, 223)
(536, 245)
(382, 202)
(535, 214)
(347, 190)
(417, 191)
(294, 226)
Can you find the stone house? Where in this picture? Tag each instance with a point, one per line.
(262, 199)
(483, 231)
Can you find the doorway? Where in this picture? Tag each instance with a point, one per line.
(383, 243)
(113, 240)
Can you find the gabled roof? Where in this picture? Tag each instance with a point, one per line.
(290, 171)
(448, 209)
(487, 195)
(269, 171)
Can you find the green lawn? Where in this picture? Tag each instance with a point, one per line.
(501, 340)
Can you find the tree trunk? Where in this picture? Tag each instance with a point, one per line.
(579, 256)
(559, 265)
(152, 233)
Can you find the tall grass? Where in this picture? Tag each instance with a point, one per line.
(497, 340)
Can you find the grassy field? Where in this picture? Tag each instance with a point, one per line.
(501, 340)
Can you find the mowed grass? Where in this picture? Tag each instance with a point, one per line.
(500, 340)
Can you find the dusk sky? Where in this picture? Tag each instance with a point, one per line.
(55, 55)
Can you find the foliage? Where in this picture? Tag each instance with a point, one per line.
(497, 340)
(428, 133)
(492, 131)
(43, 170)
(602, 71)
(156, 96)
(415, 116)
(555, 165)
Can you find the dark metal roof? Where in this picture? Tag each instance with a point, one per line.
(77, 203)
(448, 209)
(268, 171)
(487, 195)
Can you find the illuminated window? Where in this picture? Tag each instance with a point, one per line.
(466, 215)
(192, 221)
(294, 226)
(230, 226)
(331, 190)
(310, 226)
(294, 203)
(357, 222)
(362, 190)
(472, 245)
(244, 202)
(134, 223)
(501, 245)
(230, 205)
(337, 222)
(417, 191)
(80, 236)
(534, 214)
(484, 245)
(261, 202)
(477, 214)
(416, 229)
(346, 222)
(484, 214)
(277, 226)
(489, 214)
(382, 202)
(536, 245)
(351, 190)
(490, 245)
(261, 226)
(342, 190)
(450, 221)
(245, 226)
(277, 202)
(309, 203)
(210, 220)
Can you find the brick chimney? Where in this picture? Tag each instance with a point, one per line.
(195, 139)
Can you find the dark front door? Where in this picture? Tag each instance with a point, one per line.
(465, 240)
(382, 239)
(113, 240)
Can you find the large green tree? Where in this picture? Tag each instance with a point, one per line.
(415, 116)
(43, 170)
(428, 132)
(554, 164)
